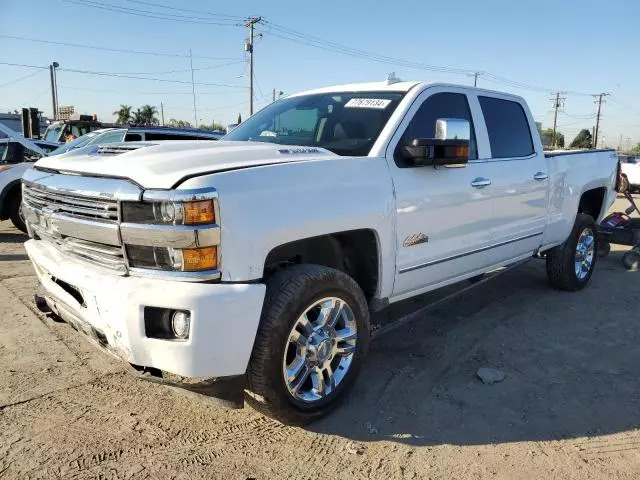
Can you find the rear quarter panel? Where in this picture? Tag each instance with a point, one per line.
(264, 207)
(571, 175)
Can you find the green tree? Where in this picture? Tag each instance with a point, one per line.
(636, 149)
(582, 140)
(546, 135)
(179, 123)
(149, 115)
(239, 119)
(213, 126)
(123, 114)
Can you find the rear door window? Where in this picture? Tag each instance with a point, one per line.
(508, 128)
(133, 137)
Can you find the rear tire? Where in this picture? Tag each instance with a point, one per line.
(624, 185)
(293, 295)
(15, 212)
(570, 265)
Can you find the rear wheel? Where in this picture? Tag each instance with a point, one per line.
(15, 212)
(313, 337)
(570, 265)
(624, 184)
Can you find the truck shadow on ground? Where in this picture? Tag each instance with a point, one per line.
(571, 359)
(10, 237)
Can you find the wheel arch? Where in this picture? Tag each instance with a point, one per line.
(7, 193)
(592, 201)
(354, 252)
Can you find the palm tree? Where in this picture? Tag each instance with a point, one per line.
(148, 114)
(123, 114)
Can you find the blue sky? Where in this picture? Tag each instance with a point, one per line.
(569, 45)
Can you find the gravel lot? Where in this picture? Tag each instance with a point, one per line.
(569, 407)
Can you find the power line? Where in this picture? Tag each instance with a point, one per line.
(234, 17)
(117, 75)
(101, 90)
(179, 71)
(298, 37)
(628, 107)
(19, 79)
(148, 14)
(109, 49)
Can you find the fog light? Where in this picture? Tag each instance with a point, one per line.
(180, 324)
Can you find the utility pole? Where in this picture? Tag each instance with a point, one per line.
(273, 97)
(193, 91)
(557, 103)
(595, 135)
(54, 88)
(475, 77)
(250, 23)
(162, 113)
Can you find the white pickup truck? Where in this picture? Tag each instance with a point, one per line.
(261, 257)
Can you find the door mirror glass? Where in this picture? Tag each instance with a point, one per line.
(453, 129)
(449, 147)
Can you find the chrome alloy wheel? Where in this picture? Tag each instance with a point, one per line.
(319, 350)
(585, 250)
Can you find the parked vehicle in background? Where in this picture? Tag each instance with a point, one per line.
(17, 154)
(261, 257)
(61, 131)
(630, 171)
(136, 134)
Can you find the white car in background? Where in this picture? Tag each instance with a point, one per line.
(630, 171)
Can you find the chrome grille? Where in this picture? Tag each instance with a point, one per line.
(70, 204)
(98, 254)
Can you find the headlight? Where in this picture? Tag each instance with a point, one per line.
(169, 213)
(173, 259)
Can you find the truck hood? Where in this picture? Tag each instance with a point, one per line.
(165, 164)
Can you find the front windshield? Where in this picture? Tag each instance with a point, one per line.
(346, 123)
(77, 143)
(53, 133)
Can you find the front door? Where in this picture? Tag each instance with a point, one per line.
(444, 215)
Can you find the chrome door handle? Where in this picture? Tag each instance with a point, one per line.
(480, 182)
(540, 176)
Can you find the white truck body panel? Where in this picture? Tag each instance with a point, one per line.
(273, 194)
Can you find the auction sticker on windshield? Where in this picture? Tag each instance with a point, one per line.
(377, 103)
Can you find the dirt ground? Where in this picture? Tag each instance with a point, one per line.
(569, 407)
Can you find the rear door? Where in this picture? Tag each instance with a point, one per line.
(520, 177)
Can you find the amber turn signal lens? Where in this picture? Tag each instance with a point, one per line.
(199, 212)
(195, 259)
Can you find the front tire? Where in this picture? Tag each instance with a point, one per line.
(570, 265)
(15, 212)
(310, 346)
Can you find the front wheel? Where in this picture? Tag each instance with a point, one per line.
(312, 339)
(570, 265)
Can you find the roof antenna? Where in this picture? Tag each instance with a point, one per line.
(391, 78)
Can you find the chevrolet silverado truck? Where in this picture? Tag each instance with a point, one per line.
(260, 257)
